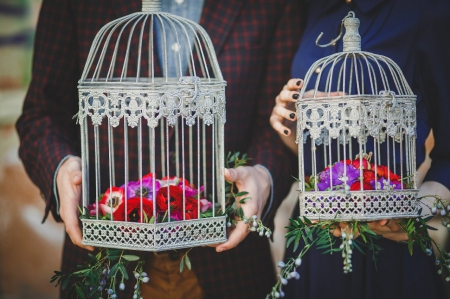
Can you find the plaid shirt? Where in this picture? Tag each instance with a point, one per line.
(254, 41)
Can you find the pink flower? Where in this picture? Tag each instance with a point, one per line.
(92, 209)
(205, 205)
(189, 191)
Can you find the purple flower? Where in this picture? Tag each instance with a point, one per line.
(134, 189)
(190, 192)
(337, 175)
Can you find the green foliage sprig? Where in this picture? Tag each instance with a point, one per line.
(101, 275)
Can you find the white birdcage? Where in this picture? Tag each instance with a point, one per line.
(356, 135)
(151, 107)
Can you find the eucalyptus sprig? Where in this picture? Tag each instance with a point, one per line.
(101, 275)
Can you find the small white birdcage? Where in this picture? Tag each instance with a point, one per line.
(356, 134)
(152, 115)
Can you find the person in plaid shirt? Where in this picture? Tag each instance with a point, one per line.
(255, 42)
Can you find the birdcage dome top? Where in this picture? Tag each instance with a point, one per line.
(151, 49)
(151, 64)
(353, 72)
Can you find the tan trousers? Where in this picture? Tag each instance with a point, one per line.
(166, 281)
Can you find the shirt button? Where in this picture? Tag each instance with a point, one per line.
(179, 1)
(175, 47)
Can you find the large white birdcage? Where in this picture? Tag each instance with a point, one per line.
(152, 115)
(356, 135)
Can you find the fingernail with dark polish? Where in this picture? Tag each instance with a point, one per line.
(292, 115)
(295, 96)
(286, 132)
(299, 82)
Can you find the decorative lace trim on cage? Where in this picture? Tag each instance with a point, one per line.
(361, 205)
(188, 103)
(357, 116)
(154, 237)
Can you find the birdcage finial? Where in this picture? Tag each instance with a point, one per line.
(351, 39)
(151, 5)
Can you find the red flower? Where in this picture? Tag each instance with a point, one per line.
(134, 211)
(147, 176)
(356, 186)
(383, 172)
(368, 176)
(191, 208)
(365, 164)
(176, 198)
(111, 200)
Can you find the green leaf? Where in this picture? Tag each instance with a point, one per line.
(93, 278)
(113, 257)
(130, 258)
(410, 246)
(113, 270)
(242, 193)
(65, 282)
(145, 217)
(123, 270)
(240, 212)
(244, 199)
(83, 272)
(182, 264)
(289, 241)
(188, 262)
(307, 220)
(79, 292)
(297, 241)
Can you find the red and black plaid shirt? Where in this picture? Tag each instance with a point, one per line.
(255, 42)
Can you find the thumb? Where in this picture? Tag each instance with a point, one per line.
(76, 177)
(230, 175)
(382, 222)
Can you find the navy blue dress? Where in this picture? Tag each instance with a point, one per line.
(390, 28)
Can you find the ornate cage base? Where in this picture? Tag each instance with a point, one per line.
(154, 237)
(359, 205)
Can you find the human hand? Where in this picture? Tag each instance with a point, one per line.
(68, 182)
(388, 228)
(256, 181)
(283, 114)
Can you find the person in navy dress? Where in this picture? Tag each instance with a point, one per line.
(412, 34)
